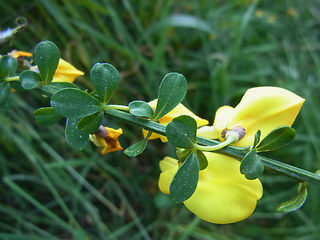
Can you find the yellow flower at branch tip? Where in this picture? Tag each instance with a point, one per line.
(179, 110)
(106, 139)
(223, 195)
(264, 108)
(65, 72)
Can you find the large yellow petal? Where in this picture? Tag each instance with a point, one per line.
(223, 194)
(264, 108)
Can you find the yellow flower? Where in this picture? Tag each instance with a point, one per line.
(106, 139)
(223, 195)
(176, 112)
(264, 108)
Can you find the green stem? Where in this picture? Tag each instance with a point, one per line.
(235, 152)
(118, 107)
(11, 79)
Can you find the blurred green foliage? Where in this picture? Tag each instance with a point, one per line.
(49, 191)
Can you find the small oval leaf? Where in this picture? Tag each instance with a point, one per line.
(203, 162)
(141, 109)
(185, 181)
(9, 66)
(251, 165)
(136, 149)
(105, 79)
(172, 91)
(30, 79)
(277, 138)
(76, 138)
(47, 58)
(181, 131)
(295, 203)
(47, 116)
(74, 103)
(91, 123)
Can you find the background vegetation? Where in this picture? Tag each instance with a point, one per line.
(50, 191)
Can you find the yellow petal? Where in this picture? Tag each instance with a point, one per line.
(264, 108)
(179, 110)
(169, 167)
(223, 194)
(221, 119)
(209, 132)
(66, 72)
(17, 54)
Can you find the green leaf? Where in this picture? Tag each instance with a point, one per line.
(277, 138)
(105, 79)
(53, 87)
(30, 79)
(203, 162)
(185, 181)
(182, 131)
(295, 203)
(8, 66)
(141, 109)
(136, 149)
(74, 103)
(47, 116)
(172, 91)
(257, 138)
(182, 153)
(91, 123)
(4, 96)
(251, 165)
(76, 138)
(47, 58)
